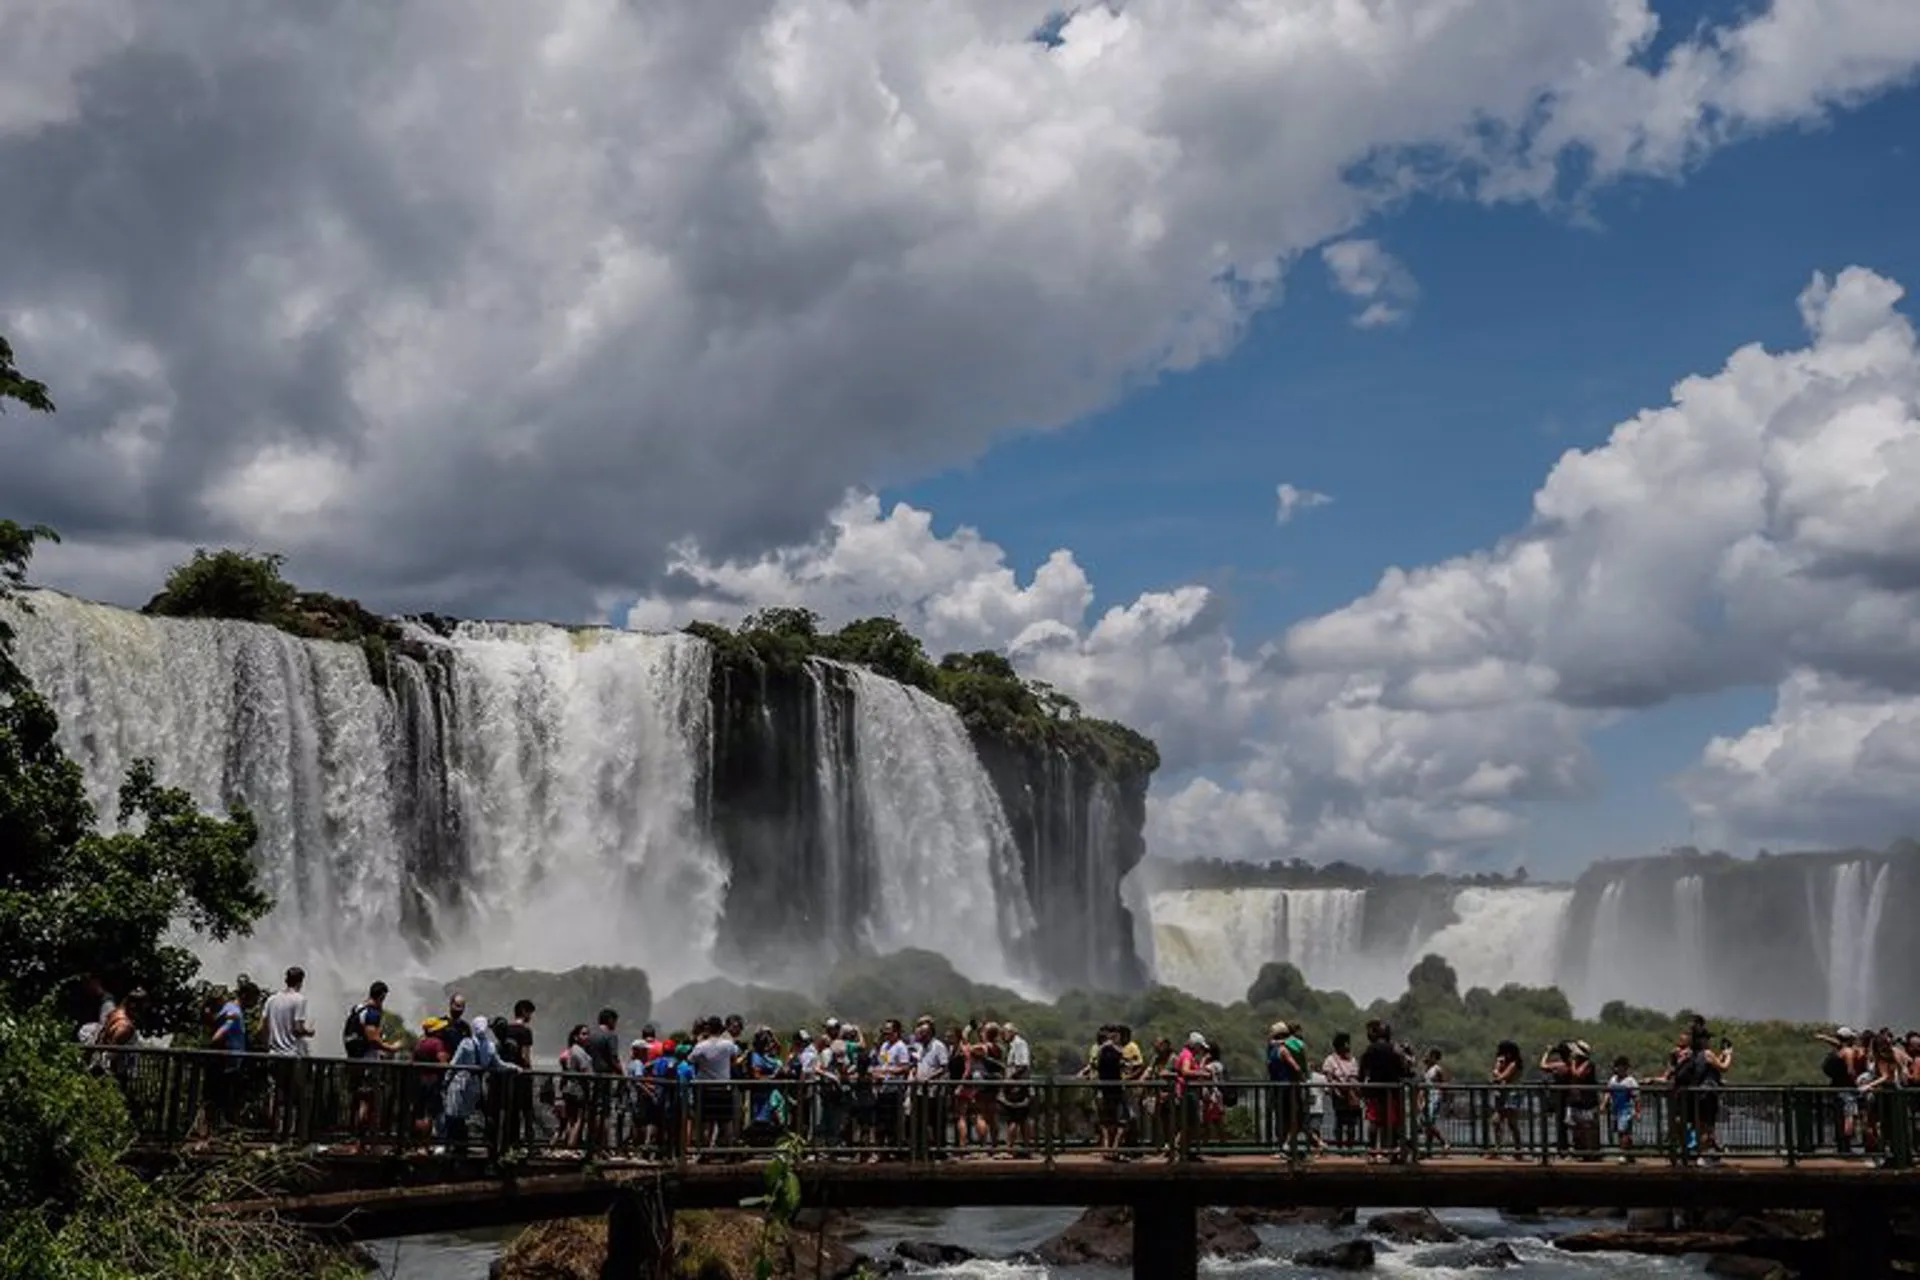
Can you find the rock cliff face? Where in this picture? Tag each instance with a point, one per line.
(465, 795)
(857, 815)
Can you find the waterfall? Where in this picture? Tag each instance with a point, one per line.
(1855, 906)
(1693, 987)
(947, 869)
(1502, 936)
(1213, 942)
(577, 759)
(294, 729)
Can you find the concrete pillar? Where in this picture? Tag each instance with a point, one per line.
(639, 1238)
(1166, 1241)
(1859, 1241)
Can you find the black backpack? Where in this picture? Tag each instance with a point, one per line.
(353, 1036)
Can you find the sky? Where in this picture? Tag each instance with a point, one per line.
(1464, 433)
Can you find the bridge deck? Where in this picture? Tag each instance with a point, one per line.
(553, 1189)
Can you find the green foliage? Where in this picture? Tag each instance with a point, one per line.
(993, 700)
(81, 903)
(71, 1210)
(18, 387)
(247, 586)
(56, 1121)
(241, 585)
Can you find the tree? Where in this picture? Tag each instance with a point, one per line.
(79, 903)
(800, 624)
(242, 585)
(18, 387)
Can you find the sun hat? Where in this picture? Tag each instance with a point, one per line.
(1278, 1030)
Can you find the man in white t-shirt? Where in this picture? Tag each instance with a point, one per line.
(712, 1061)
(286, 1017)
(287, 1034)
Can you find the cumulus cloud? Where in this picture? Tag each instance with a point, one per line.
(1761, 530)
(1163, 663)
(1293, 500)
(486, 308)
(1376, 279)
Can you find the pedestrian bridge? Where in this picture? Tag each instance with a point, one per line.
(380, 1161)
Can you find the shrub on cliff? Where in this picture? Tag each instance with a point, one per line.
(242, 585)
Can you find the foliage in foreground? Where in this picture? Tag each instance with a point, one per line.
(71, 1210)
(76, 903)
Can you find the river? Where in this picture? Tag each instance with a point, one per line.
(1002, 1232)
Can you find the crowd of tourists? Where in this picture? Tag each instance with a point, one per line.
(972, 1090)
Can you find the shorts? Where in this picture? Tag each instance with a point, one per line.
(1623, 1122)
(716, 1105)
(1386, 1112)
(1112, 1108)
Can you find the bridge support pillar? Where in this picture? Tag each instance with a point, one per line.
(639, 1238)
(1166, 1241)
(1859, 1241)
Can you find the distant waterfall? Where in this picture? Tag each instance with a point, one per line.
(947, 871)
(1214, 942)
(1503, 936)
(1694, 979)
(1857, 901)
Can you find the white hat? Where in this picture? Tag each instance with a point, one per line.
(1847, 1033)
(1196, 1039)
(1278, 1030)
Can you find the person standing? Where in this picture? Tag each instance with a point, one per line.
(515, 1043)
(287, 1034)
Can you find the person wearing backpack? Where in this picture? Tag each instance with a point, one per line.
(364, 1042)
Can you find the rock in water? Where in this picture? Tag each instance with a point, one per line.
(1412, 1226)
(1491, 1256)
(926, 1253)
(1354, 1255)
(1104, 1237)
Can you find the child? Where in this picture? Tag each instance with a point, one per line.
(1623, 1105)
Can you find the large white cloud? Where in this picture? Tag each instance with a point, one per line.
(1762, 529)
(483, 307)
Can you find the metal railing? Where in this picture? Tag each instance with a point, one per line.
(413, 1110)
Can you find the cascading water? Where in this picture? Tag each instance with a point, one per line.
(1857, 900)
(1502, 936)
(1213, 942)
(947, 869)
(295, 729)
(1694, 977)
(576, 763)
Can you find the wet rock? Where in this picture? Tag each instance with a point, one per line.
(1412, 1226)
(1104, 1237)
(1353, 1255)
(1649, 1219)
(1490, 1256)
(927, 1253)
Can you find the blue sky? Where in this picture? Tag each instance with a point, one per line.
(1536, 332)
